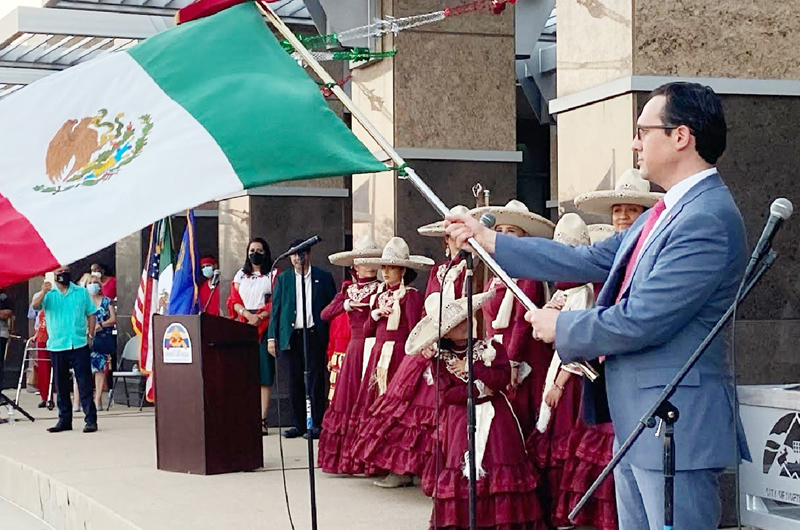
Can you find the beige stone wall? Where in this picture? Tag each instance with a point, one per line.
(594, 43)
(594, 146)
(717, 38)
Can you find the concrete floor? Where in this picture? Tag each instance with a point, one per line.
(117, 468)
(17, 519)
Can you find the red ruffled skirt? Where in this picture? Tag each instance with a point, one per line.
(551, 449)
(333, 457)
(507, 493)
(594, 448)
(397, 435)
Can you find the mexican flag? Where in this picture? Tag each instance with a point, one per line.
(199, 112)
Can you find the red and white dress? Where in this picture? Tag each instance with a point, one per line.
(333, 457)
(398, 432)
(384, 361)
(505, 322)
(507, 480)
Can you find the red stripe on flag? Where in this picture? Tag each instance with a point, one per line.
(23, 253)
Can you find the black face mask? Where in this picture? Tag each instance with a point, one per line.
(256, 258)
(64, 278)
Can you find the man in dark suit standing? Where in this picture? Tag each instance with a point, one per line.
(285, 333)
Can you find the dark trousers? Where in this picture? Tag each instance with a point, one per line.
(3, 343)
(79, 361)
(319, 376)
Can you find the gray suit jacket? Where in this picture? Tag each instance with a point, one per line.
(686, 277)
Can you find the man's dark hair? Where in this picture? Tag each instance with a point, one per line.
(296, 242)
(700, 109)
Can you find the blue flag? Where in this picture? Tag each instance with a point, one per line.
(184, 298)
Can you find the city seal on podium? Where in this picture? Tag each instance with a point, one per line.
(177, 345)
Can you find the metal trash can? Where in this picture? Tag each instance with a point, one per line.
(770, 485)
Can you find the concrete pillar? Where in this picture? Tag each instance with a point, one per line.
(447, 103)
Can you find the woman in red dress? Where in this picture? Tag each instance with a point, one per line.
(399, 429)
(505, 322)
(353, 302)
(506, 478)
(393, 312)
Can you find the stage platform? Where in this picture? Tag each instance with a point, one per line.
(108, 481)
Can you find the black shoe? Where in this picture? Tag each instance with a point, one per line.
(42, 405)
(90, 427)
(294, 432)
(314, 434)
(264, 428)
(51, 405)
(60, 427)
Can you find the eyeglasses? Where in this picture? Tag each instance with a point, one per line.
(642, 130)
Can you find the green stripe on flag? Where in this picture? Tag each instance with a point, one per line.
(267, 115)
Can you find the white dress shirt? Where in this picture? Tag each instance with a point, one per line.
(298, 321)
(674, 195)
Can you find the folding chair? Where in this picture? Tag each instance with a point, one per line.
(131, 353)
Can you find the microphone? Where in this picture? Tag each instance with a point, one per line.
(215, 279)
(302, 248)
(488, 220)
(779, 211)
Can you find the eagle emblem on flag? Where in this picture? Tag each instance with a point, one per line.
(87, 151)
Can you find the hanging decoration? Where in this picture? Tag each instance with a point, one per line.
(394, 26)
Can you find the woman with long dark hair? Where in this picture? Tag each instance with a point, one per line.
(249, 302)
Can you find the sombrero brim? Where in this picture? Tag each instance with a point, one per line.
(600, 202)
(426, 332)
(432, 230)
(534, 225)
(345, 259)
(413, 262)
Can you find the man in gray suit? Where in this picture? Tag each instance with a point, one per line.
(668, 279)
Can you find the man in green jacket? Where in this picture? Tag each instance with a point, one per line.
(285, 334)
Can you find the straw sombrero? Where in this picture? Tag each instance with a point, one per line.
(437, 229)
(600, 232)
(571, 230)
(396, 254)
(630, 189)
(454, 312)
(364, 247)
(517, 214)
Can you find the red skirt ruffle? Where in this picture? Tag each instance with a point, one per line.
(594, 449)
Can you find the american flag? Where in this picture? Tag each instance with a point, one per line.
(146, 306)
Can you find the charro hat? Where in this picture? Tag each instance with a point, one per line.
(396, 254)
(454, 312)
(600, 232)
(437, 229)
(517, 214)
(631, 188)
(571, 230)
(364, 247)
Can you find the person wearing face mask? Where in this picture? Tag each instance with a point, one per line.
(71, 323)
(209, 291)
(104, 342)
(250, 302)
(107, 282)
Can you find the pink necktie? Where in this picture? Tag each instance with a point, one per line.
(655, 213)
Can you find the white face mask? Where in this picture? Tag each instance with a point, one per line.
(97, 274)
(208, 272)
(93, 288)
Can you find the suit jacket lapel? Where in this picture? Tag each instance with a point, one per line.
(712, 181)
(617, 273)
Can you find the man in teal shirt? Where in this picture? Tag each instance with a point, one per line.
(70, 317)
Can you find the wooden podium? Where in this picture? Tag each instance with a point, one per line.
(208, 404)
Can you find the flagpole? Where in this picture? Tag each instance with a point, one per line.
(387, 148)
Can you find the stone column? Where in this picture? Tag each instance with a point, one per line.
(447, 104)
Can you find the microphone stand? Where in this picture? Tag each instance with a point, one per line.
(668, 413)
(307, 374)
(471, 397)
